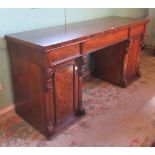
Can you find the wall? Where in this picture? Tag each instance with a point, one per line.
(134, 13)
(17, 20)
(150, 40)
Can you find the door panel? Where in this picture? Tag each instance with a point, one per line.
(65, 78)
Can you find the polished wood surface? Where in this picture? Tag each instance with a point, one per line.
(60, 35)
(48, 66)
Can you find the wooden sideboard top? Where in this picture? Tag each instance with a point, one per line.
(53, 37)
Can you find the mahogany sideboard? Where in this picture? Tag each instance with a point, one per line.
(48, 66)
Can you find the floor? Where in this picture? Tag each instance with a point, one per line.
(115, 116)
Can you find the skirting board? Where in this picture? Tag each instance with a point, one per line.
(7, 109)
(151, 47)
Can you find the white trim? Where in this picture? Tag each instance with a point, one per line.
(2, 43)
(7, 109)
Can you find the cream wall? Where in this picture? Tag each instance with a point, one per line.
(150, 39)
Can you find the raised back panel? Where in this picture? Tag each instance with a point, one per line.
(108, 63)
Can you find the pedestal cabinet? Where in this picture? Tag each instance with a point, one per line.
(47, 95)
(48, 66)
(121, 67)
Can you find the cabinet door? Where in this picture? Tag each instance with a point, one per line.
(133, 59)
(66, 89)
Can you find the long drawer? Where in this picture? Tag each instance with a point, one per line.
(104, 40)
(63, 53)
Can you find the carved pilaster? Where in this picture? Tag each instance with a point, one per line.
(81, 63)
(50, 128)
(142, 45)
(125, 65)
(49, 90)
(48, 82)
(81, 111)
(129, 44)
(141, 49)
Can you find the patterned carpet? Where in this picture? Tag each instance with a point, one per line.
(115, 116)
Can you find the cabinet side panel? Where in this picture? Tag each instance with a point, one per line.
(29, 94)
(28, 89)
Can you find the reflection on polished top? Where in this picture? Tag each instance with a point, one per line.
(56, 36)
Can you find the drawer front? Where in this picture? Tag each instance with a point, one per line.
(63, 53)
(137, 30)
(104, 40)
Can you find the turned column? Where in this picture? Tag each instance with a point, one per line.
(141, 48)
(81, 63)
(49, 89)
(127, 49)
